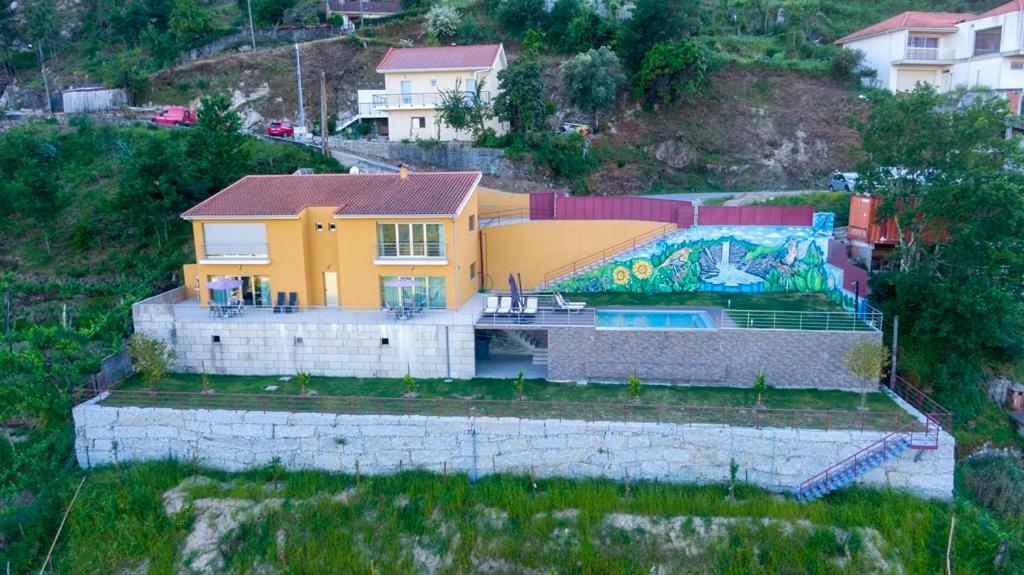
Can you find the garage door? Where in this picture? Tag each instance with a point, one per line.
(907, 79)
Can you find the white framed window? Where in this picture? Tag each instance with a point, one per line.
(410, 240)
(424, 292)
(419, 122)
(331, 227)
(232, 241)
(319, 227)
(987, 41)
(406, 92)
(472, 222)
(433, 82)
(1017, 65)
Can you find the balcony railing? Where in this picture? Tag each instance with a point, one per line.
(927, 54)
(235, 251)
(421, 100)
(410, 250)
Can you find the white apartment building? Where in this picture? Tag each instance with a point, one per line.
(948, 50)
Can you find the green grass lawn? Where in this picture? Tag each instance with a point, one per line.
(318, 522)
(493, 397)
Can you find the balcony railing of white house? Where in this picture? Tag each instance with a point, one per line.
(421, 100)
(410, 250)
(235, 251)
(927, 54)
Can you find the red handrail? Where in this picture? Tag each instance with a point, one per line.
(931, 428)
(604, 254)
(923, 402)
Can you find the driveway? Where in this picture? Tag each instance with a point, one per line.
(736, 198)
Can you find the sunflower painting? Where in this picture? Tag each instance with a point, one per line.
(642, 269)
(620, 275)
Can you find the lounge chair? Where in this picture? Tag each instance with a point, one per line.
(293, 302)
(505, 307)
(529, 312)
(569, 306)
(492, 305)
(279, 306)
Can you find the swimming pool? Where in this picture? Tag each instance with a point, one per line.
(653, 319)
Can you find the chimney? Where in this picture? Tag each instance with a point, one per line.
(403, 172)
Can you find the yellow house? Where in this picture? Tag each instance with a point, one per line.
(359, 241)
(414, 79)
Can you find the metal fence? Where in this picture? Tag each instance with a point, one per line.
(114, 368)
(870, 319)
(662, 413)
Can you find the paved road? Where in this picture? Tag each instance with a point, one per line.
(737, 198)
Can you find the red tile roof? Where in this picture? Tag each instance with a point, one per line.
(367, 7)
(912, 20)
(419, 194)
(440, 58)
(1014, 6)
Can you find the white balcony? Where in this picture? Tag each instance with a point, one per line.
(914, 55)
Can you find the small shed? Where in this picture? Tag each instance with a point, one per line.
(93, 99)
(1015, 397)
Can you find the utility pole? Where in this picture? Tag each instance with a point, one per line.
(895, 342)
(298, 79)
(324, 132)
(46, 81)
(252, 29)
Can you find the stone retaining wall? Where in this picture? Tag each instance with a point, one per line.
(455, 156)
(235, 440)
(789, 358)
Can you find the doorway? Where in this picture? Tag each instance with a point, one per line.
(330, 288)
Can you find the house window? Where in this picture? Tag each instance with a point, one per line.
(234, 241)
(922, 48)
(319, 227)
(472, 271)
(472, 222)
(406, 92)
(433, 82)
(987, 41)
(424, 291)
(419, 122)
(410, 240)
(1017, 65)
(331, 227)
(255, 290)
(470, 89)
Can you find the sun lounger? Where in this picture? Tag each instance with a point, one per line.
(531, 306)
(506, 306)
(569, 306)
(492, 305)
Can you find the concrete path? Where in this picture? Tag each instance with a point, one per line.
(736, 198)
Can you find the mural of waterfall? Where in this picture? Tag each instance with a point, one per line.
(744, 259)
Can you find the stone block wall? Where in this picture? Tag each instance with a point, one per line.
(789, 358)
(774, 458)
(456, 156)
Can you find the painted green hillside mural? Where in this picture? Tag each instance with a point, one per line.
(720, 258)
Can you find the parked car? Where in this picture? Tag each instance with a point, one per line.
(175, 116)
(843, 181)
(584, 129)
(281, 130)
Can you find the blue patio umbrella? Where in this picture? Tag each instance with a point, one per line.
(517, 298)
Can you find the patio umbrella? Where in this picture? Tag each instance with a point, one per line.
(224, 284)
(516, 296)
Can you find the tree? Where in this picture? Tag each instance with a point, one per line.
(653, 21)
(592, 80)
(190, 22)
(220, 154)
(556, 25)
(866, 359)
(268, 12)
(443, 21)
(518, 16)
(464, 111)
(672, 69)
(151, 358)
(521, 99)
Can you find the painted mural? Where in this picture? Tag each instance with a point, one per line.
(746, 259)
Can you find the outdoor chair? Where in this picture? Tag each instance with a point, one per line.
(492, 305)
(529, 313)
(569, 306)
(505, 307)
(279, 306)
(293, 302)
(215, 310)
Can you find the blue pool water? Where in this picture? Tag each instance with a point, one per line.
(653, 319)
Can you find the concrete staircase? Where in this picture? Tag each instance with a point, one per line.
(538, 348)
(621, 251)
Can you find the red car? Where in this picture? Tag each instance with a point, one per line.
(175, 116)
(281, 130)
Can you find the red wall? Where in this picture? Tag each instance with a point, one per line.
(851, 273)
(755, 215)
(546, 205)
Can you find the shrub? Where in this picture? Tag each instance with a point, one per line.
(303, 380)
(845, 64)
(520, 383)
(443, 21)
(409, 382)
(566, 155)
(151, 358)
(518, 16)
(997, 484)
(634, 387)
(672, 69)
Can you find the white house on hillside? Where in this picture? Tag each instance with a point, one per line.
(948, 50)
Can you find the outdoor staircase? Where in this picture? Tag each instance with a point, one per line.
(538, 349)
(845, 472)
(620, 251)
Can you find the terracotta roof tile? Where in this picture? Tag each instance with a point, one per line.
(1014, 6)
(440, 58)
(926, 20)
(368, 7)
(420, 194)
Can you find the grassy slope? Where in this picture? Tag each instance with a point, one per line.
(506, 524)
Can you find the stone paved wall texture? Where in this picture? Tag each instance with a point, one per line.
(789, 358)
(339, 350)
(234, 440)
(457, 156)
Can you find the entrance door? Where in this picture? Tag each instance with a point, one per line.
(330, 288)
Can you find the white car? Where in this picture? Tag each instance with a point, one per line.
(842, 181)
